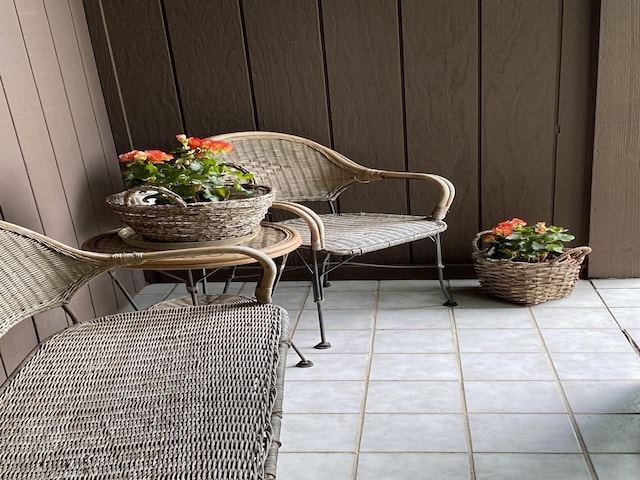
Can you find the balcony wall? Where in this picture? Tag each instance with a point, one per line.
(58, 152)
(497, 95)
(615, 205)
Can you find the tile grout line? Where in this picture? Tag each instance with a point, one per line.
(300, 311)
(365, 385)
(565, 400)
(463, 398)
(626, 334)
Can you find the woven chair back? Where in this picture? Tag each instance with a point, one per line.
(297, 168)
(36, 276)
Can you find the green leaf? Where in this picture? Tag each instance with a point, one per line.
(537, 245)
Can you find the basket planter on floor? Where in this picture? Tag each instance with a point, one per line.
(190, 222)
(528, 283)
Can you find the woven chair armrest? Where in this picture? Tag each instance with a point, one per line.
(445, 187)
(311, 218)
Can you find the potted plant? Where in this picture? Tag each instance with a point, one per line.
(527, 264)
(188, 194)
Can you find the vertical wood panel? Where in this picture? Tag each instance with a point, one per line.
(85, 142)
(575, 118)
(16, 196)
(105, 140)
(55, 100)
(31, 129)
(142, 62)
(365, 95)
(49, 323)
(363, 68)
(32, 107)
(211, 66)
(441, 83)
(287, 67)
(108, 75)
(89, 149)
(615, 217)
(55, 172)
(57, 116)
(101, 149)
(519, 73)
(17, 343)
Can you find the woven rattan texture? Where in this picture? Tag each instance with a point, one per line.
(187, 301)
(528, 283)
(295, 170)
(178, 393)
(194, 222)
(33, 279)
(359, 233)
(111, 242)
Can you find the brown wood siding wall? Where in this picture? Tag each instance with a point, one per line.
(494, 94)
(615, 211)
(57, 165)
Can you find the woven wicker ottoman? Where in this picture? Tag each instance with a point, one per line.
(179, 393)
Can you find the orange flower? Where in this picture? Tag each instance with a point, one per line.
(193, 180)
(157, 156)
(506, 228)
(503, 228)
(218, 146)
(541, 227)
(194, 142)
(132, 155)
(153, 156)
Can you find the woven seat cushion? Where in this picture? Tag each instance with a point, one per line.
(177, 393)
(358, 233)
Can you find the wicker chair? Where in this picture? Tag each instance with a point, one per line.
(302, 170)
(191, 392)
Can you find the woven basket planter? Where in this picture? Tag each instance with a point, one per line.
(190, 222)
(528, 283)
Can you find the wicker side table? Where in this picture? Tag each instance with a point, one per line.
(275, 240)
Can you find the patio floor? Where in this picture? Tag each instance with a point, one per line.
(487, 390)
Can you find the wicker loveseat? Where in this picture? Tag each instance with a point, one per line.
(192, 392)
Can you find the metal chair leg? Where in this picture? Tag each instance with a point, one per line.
(318, 298)
(304, 362)
(230, 278)
(325, 274)
(450, 302)
(281, 264)
(192, 287)
(124, 291)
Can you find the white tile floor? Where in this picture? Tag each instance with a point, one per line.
(483, 391)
